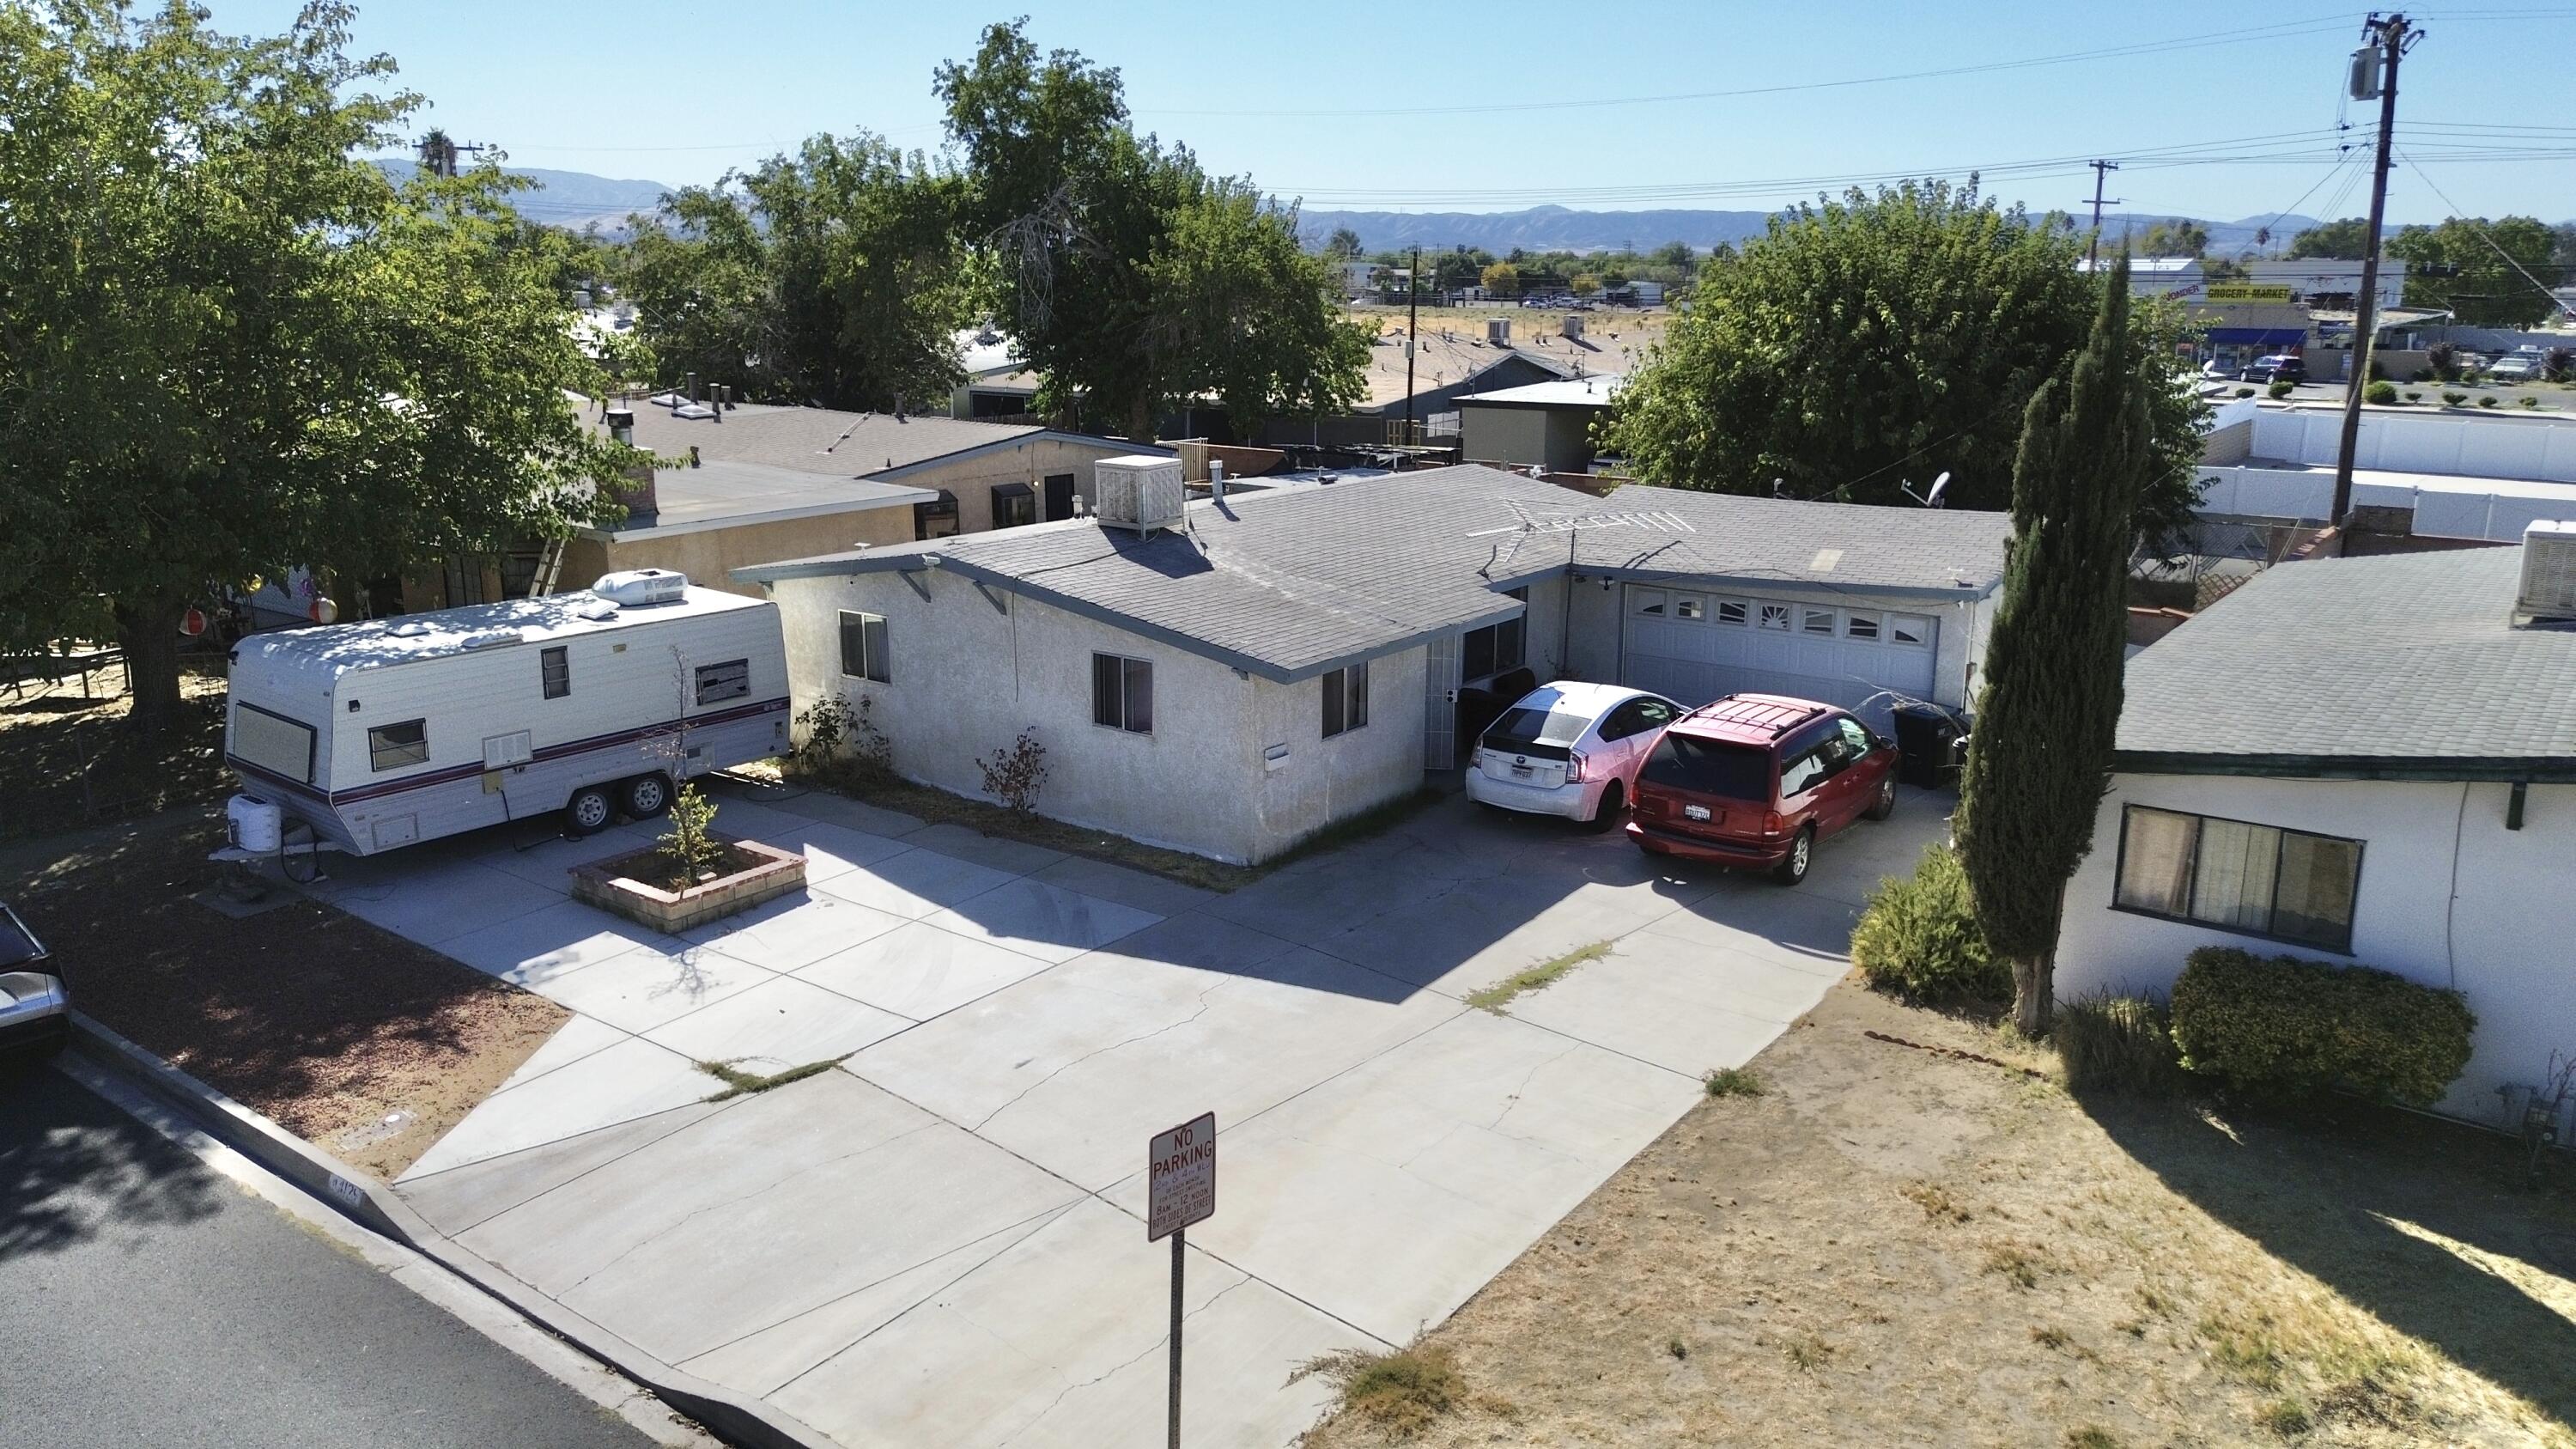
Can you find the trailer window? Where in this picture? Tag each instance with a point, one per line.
(274, 743)
(555, 666)
(393, 746)
(729, 680)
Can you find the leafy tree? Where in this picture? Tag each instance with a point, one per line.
(1676, 254)
(2455, 267)
(2563, 252)
(228, 347)
(1880, 338)
(1501, 279)
(2346, 240)
(2180, 237)
(1454, 270)
(1343, 245)
(1079, 220)
(831, 277)
(1583, 284)
(2051, 698)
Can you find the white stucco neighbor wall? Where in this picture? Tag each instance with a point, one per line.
(1596, 653)
(968, 676)
(2493, 918)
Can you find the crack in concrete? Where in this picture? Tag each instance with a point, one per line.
(1016, 1097)
(736, 1200)
(1514, 1100)
(1070, 1389)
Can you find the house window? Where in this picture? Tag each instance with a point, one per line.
(1730, 611)
(1497, 647)
(1857, 625)
(2255, 879)
(393, 746)
(1775, 616)
(1689, 606)
(863, 646)
(935, 517)
(1122, 693)
(1345, 699)
(1014, 504)
(1649, 603)
(1910, 629)
(554, 667)
(729, 680)
(1819, 621)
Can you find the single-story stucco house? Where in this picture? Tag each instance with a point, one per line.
(2361, 761)
(1293, 657)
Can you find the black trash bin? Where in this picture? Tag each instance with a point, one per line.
(1927, 744)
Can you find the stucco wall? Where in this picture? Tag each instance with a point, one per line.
(966, 677)
(2492, 919)
(972, 478)
(709, 555)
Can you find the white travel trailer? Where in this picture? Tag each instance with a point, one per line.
(592, 704)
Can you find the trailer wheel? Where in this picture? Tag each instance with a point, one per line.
(647, 796)
(588, 811)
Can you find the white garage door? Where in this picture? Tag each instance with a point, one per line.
(1697, 646)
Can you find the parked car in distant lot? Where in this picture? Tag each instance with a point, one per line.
(1569, 749)
(2282, 368)
(1757, 780)
(35, 1006)
(2515, 367)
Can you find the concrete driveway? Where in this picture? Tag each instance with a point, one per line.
(942, 1240)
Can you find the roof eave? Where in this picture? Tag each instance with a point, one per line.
(2534, 769)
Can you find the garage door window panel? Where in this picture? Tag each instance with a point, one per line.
(1731, 611)
(1858, 625)
(1774, 616)
(1819, 622)
(1649, 603)
(1689, 606)
(1910, 629)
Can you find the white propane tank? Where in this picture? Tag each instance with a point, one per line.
(256, 824)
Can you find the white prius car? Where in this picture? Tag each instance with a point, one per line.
(1569, 749)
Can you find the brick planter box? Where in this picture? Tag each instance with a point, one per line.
(749, 874)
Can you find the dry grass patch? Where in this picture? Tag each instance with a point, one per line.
(2133, 1272)
(1401, 1391)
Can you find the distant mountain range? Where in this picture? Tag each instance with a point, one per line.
(569, 199)
(1557, 228)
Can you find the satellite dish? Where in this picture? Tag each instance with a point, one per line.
(1940, 486)
(1779, 487)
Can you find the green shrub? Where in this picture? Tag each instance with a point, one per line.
(2413, 396)
(2454, 399)
(2294, 1027)
(2245, 392)
(1919, 936)
(2382, 391)
(2489, 401)
(2527, 400)
(2118, 1044)
(2279, 389)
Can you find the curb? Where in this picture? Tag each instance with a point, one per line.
(735, 1418)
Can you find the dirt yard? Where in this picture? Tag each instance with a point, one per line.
(359, 1041)
(53, 738)
(1891, 1246)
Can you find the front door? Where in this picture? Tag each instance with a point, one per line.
(1059, 496)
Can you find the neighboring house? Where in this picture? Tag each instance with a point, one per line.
(1544, 424)
(980, 475)
(1446, 365)
(1295, 656)
(997, 383)
(709, 518)
(2448, 475)
(2360, 761)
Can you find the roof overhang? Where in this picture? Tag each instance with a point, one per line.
(895, 496)
(2542, 769)
(1041, 435)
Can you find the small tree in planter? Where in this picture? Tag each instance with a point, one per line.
(689, 845)
(1013, 776)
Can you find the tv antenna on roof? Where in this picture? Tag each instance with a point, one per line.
(1528, 522)
(1932, 499)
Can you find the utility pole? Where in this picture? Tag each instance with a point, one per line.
(2093, 253)
(2374, 65)
(1412, 335)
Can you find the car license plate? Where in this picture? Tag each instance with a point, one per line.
(1521, 770)
(1695, 812)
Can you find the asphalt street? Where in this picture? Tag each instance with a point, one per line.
(145, 1300)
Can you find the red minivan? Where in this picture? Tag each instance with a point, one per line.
(1757, 780)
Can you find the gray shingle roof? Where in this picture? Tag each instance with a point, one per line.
(821, 440)
(1292, 583)
(724, 493)
(2392, 665)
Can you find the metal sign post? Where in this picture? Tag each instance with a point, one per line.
(1180, 1174)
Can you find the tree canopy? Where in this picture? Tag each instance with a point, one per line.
(2475, 269)
(831, 277)
(2347, 240)
(2180, 237)
(228, 347)
(1885, 337)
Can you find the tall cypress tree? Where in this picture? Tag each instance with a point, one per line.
(2051, 699)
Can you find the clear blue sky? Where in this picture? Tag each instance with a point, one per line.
(678, 93)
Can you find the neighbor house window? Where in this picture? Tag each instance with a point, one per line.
(2238, 876)
(393, 746)
(554, 666)
(1498, 647)
(863, 646)
(935, 517)
(729, 680)
(1122, 693)
(1345, 699)
(1014, 504)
